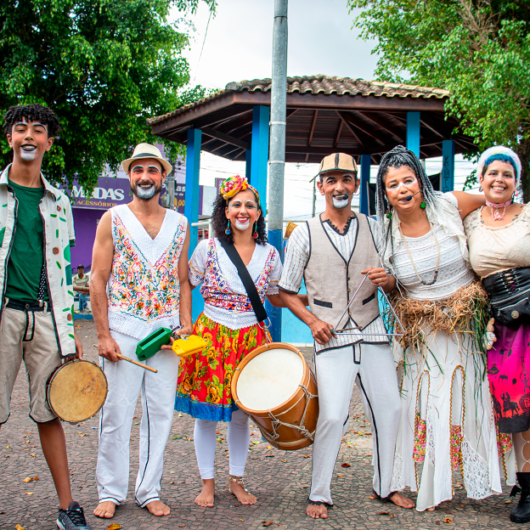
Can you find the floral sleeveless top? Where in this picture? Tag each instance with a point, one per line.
(144, 289)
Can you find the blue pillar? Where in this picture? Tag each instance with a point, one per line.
(413, 132)
(248, 163)
(259, 162)
(259, 156)
(364, 203)
(275, 313)
(191, 204)
(448, 167)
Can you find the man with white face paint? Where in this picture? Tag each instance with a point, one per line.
(139, 283)
(36, 295)
(332, 253)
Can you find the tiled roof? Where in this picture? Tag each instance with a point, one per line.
(320, 84)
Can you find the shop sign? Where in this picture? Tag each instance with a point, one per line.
(109, 192)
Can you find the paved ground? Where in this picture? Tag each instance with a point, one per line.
(280, 480)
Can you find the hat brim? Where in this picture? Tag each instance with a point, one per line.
(324, 171)
(127, 163)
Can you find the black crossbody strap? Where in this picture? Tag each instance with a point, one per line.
(252, 292)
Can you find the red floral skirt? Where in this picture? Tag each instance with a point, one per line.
(204, 383)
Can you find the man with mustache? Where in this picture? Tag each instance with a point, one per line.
(36, 295)
(333, 252)
(139, 284)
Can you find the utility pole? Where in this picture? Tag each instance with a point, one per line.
(277, 144)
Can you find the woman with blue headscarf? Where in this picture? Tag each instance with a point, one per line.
(499, 250)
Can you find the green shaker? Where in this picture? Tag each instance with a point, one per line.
(152, 343)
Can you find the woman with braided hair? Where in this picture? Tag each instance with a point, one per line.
(447, 419)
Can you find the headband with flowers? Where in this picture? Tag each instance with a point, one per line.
(233, 185)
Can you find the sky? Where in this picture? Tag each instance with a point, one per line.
(238, 46)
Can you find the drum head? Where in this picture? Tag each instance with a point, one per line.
(77, 391)
(269, 379)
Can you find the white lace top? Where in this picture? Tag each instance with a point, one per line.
(453, 270)
(225, 297)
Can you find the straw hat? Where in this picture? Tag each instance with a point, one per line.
(144, 150)
(338, 162)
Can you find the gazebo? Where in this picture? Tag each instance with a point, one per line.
(324, 115)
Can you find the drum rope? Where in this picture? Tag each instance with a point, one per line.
(277, 423)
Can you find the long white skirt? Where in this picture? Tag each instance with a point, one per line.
(447, 422)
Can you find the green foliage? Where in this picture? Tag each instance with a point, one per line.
(103, 66)
(479, 50)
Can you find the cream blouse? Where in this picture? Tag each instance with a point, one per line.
(496, 249)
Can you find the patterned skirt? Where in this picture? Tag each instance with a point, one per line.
(203, 388)
(510, 379)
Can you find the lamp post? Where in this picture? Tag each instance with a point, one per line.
(277, 144)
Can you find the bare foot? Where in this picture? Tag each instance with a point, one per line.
(242, 495)
(402, 501)
(105, 510)
(206, 496)
(317, 511)
(431, 509)
(157, 508)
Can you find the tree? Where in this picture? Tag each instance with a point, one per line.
(103, 66)
(479, 50)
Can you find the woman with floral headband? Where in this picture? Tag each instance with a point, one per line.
(499, 251)
(230, 328)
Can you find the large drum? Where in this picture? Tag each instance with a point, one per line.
(274, 385)
(76, 391)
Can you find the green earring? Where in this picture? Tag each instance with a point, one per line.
(389, 215)
(423, 205)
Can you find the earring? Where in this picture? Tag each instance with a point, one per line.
(255, 234)
(480, 188)
(389, 212)
(227, 231)
(423, 205)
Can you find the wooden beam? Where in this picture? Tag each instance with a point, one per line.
(351, 129)
(237, 155)
(312, 130)
(214, 133)
(198, 117)
(333, 101)
(232, 125)
(337, 136)
(381, 123)
(345, 117)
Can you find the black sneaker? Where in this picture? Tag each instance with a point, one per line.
(73, 518)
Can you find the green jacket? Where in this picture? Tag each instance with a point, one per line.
(59, 235)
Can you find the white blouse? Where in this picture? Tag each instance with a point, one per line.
(453, 271)
(225, 297)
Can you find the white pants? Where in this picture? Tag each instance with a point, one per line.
(158, 398)
(238, 440)
(336, 371)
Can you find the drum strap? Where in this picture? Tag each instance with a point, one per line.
(252, 292)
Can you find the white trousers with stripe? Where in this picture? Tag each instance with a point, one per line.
(158, 399)
(336, 372)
